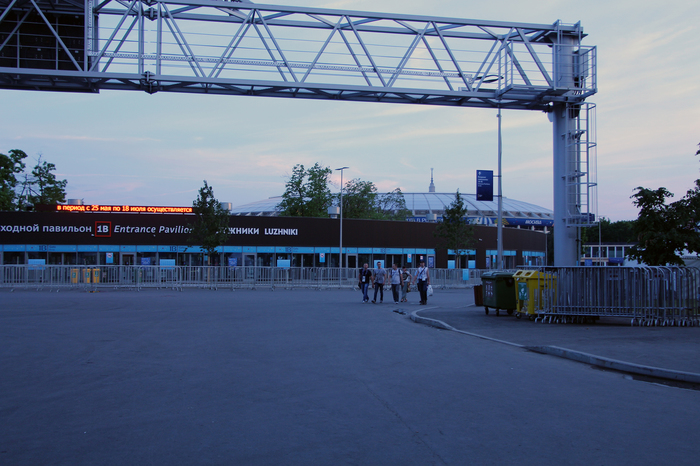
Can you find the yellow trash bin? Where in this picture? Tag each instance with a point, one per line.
(530, 285)
(74, 275)
(95, 275)
(86, 275)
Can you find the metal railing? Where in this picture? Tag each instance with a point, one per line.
(648, 296)
(56, 277)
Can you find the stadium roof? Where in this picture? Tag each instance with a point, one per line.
(420, 204)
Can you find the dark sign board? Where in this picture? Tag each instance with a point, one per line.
(120, 228)
(484, 185)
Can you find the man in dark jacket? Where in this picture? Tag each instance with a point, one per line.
(365, 278)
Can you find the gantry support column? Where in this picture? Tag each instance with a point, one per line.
(564, 123)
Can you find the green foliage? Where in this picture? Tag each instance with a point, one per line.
(38, 187)
(361, 200)
(43, 187)
(392, 205)
(454, 232)
(306, 192)
(10, 166)
(664, 231)
(211, 226)
(610, 232)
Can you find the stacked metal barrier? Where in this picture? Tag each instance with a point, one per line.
(658, 296)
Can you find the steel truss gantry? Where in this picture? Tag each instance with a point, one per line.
(241, 48)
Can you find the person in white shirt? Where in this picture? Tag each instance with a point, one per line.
(423, 279)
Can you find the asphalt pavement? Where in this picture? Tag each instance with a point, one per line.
(665, 352)
(202, 377)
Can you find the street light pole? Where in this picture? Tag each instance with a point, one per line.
(340, 260)
(499, 231)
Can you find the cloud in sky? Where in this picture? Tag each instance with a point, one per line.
(133, 148)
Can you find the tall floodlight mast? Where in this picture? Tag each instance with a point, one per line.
(241, 48)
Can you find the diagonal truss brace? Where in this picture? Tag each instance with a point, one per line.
(241, 48)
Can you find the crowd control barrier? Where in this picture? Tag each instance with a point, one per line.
(647, 296)
(92, 277)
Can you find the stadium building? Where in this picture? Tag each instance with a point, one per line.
(151, 235)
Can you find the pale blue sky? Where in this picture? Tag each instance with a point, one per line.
(132, 148)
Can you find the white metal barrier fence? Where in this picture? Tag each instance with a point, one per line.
(649, 296)
(177, 277)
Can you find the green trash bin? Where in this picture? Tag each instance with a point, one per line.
(499, 292)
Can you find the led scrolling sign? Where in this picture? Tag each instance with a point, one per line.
(123, 209)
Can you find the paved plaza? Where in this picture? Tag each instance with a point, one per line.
(315, 377)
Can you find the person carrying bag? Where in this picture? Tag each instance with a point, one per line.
(423, 279)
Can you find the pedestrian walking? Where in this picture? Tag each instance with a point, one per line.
(405, 283)
(379, 278)
(364, 280)
(423, 279)
(396, 282)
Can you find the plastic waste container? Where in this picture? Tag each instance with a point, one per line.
(499, 292)
(530, 286)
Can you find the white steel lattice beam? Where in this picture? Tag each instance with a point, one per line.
(241, 48)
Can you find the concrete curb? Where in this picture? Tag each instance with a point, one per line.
(591, 359)
(617, 365)
(442, 325)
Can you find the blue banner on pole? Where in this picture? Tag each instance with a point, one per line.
(484, 185)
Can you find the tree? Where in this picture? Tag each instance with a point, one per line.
(38, 187)
(454, 232)
(621, 231)
(665, 231)
(42, 187)
(317, 191)
(211, 226)
(361, 200)
(392, 205)
(306, 192)
(10, 166)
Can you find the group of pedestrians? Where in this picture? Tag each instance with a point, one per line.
(400, 280)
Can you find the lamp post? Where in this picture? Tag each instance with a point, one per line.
(499, 231)
(340, 259)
